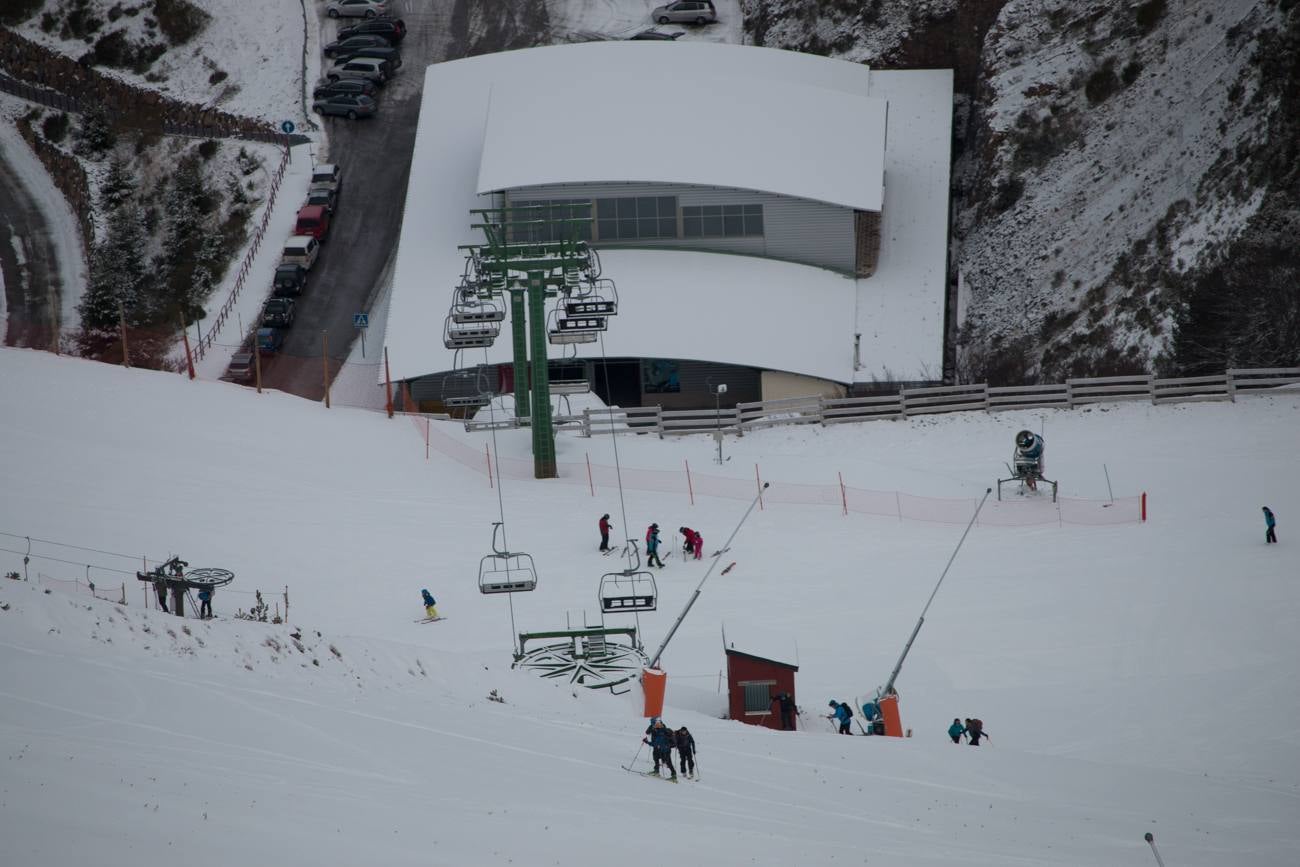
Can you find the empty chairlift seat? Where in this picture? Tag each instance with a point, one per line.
(469, 308)
(506, 573)
(593, 298)
(583, 329)
(467, 335)
(627, 592)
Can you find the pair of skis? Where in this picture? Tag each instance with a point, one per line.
(651, 774)
(431, 619)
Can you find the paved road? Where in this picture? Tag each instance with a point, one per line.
(29, 264)
(375, 158)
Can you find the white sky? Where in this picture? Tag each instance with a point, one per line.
(1100, 658)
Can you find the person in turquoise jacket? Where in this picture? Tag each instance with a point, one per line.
(843, 713)
(956, 730)
(1270, 525)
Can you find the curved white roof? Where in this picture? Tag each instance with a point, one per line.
(685, 120)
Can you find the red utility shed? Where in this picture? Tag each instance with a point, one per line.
(752, 684)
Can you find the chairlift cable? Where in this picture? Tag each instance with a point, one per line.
(618, 469)
(501, 506)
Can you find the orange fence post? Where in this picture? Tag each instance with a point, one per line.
(844, 499)
(759, 481)
(426, 438)
(1144, 507)
(690, 489)
(653, 683)
(189, 359)
(889, 712)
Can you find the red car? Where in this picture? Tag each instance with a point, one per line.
(313, 220)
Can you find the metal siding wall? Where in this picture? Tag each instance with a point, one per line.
(796, 230)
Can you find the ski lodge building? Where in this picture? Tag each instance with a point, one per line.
(774, 221)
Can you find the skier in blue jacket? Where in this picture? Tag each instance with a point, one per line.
(843, 713)
(652, 547)
(956, 730)
(429, 605)
(661, 740)
(1270, 524)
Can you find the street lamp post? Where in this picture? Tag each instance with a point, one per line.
(717, 414)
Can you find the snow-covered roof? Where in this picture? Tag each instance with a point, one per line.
(807, 317)
(681, 120)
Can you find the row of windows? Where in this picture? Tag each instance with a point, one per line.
(631, 218)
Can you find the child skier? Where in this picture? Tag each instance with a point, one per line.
(661, 743)
(652, 546)
(604, 531)
(205, 603)
(956, 730)
(685, 751)
(429, 604)
(698, 541)
(1270, 524)
(688, 536)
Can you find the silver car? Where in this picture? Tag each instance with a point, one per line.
(356, 8)
(370, 69)
(686, 12)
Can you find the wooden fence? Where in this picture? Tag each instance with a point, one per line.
(916, 401)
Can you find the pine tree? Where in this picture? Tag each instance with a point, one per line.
(118, 186)
(119, 279)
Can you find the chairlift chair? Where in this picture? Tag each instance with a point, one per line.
(561, 330)
(593, 298)
(467, 335)
(506, 571)
(467, 387)
(469, 306)
(629, 591)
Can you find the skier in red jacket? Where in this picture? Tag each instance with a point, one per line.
(604, 532)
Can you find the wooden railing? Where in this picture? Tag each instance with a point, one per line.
(916, 401)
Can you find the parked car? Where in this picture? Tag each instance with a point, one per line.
(278, 313)
(301, 250)
(313, 220)
(327, 175)
(269, 340)
(656, 35)
(689, 11)
(366, 40)
(356, 8)
(241, 367)
(386, 52)
(290, 280)
(323, 196)
(392, 29)
(368, 68)
(326, 88)
(349, 105)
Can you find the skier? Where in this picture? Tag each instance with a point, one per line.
(205, 603)
(685, 751)
(604, 531)
(661, 742)
(956, 730)
(1029, 458)
(1270, 523)
(975, 731)
(160, 587)
(842, 714)
(429, 603)
(787, 708)
(688, 535)
(699, 544)
(652, 546)
(871, 713)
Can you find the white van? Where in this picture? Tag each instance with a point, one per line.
(300, 250)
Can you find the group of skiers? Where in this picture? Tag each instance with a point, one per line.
(663, 740)
(692, 546)
(972, 729)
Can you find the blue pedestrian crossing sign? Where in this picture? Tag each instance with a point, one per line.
(360, 320)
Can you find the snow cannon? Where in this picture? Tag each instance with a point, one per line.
(1027, 464)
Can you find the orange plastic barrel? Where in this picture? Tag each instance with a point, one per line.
(653, 683)
(889, 712)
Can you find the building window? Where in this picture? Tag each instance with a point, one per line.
(660, 376)
(722, 221)
(636, 218)
(758, 695)
(552, 211)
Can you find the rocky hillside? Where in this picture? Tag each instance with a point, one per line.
(1126, 193)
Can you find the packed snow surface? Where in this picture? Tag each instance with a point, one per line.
(1135, 678)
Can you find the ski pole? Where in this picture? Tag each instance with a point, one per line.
(1150, 838)
(632, 764)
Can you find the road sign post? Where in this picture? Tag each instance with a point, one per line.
(361, 321)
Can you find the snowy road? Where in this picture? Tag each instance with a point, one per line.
(28, 271)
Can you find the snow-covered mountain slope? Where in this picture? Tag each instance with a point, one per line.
(1134, 678)
(1109, 158)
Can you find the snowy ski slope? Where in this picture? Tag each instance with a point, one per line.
(1133, 678)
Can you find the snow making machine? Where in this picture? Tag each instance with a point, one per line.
(1027, 462)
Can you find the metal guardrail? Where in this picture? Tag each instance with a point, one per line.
(815, 409)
